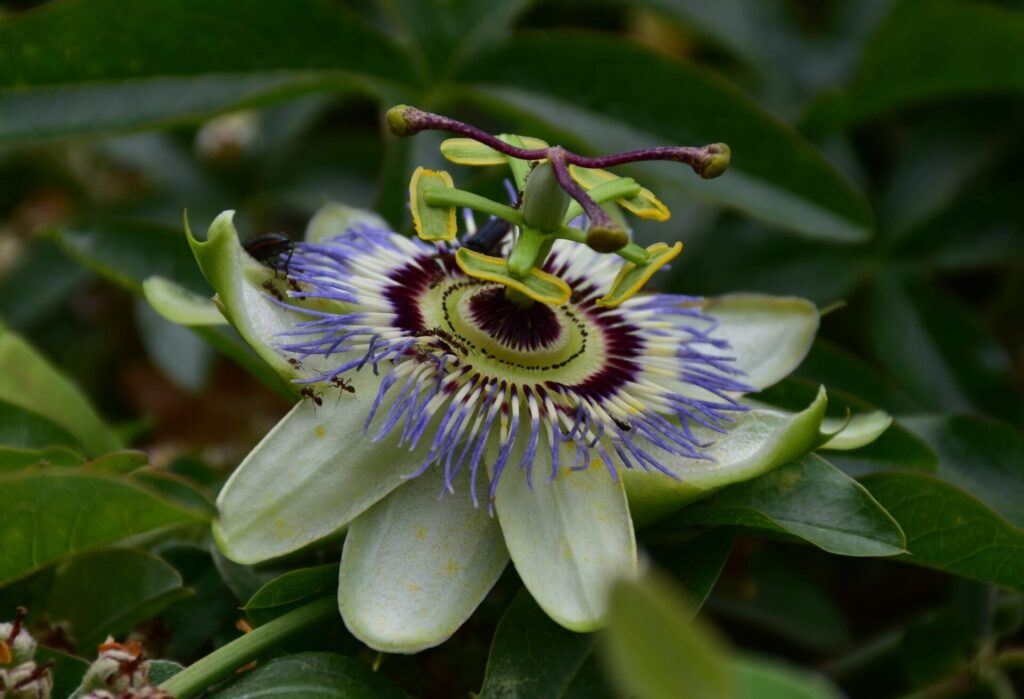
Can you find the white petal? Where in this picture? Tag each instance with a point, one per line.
(570, 539)
(312, 474)
(858, 431)
(416, 565)
(759, 440)
(334, 218)
(769, 335)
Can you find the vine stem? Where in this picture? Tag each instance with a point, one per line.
(219, 664)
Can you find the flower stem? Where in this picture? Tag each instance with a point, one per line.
(219, 664)
(446, 196)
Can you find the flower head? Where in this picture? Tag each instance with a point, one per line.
(523, 372)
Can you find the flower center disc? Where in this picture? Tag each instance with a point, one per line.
(500, 337)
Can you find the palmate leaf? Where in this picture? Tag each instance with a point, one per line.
(624, 96)
(75, 67)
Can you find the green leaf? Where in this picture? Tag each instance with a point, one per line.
(532, 657)
(936, 645)
(119, 462)
(918, 54)
(446, 33)
(829, 365)
(74, 68)
(809, 498)
(82, 594)
(310, 674)
(46, 516)
(290, 591)
(39, 281)
(939, 349)
(33, 384)
(128, 252)
(657, 651)
(982, 458)
(15, 459)
(624, 96)
(24, 429)
(761, 678)
(948, 529)
(162, 670)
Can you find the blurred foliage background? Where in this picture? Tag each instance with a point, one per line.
(878, 169)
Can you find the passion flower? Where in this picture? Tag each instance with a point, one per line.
(516, 397)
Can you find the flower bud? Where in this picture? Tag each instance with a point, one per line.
(544, 200)
(715, 161)
(27, 681)
(398, 122)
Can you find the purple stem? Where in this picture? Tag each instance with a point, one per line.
(597, 215)
(696, 158)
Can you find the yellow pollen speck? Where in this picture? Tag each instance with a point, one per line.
(413, 587)
(319, 432)
(421, 534)
(451, 567)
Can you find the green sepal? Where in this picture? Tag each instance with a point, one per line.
(466, 151)
(644, 204)
(632, 277)
(537, 285)
(432, 223)
(180, 305)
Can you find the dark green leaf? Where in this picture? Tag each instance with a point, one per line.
(128, 252)
(698, 563)
(46, 516)
(32, 383)
(290, 591)
(447, 32)
(919, 54)
(983, 458)
(624, 96)
(79, 67)
(835, 368)
(774, 596)
(948, 529)
(936, 646)
(174, 489)
(939, 349)
(42, 279)
(897, 449)
(811, 499)
(180, 353)
(85, 595)
(162, 670)
(311, 674)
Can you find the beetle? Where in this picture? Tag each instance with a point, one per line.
(268, 248)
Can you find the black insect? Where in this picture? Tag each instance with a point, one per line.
(307, 392)
(343, 384)
(488, 236)
(269, 248)
(272, 290)
(296, 364)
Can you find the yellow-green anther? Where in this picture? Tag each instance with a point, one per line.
(544, 200)
(606, 238)
(715, 161)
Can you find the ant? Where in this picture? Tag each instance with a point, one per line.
(272, 290)
(307, 392)
(343, 384)
(296, 364)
